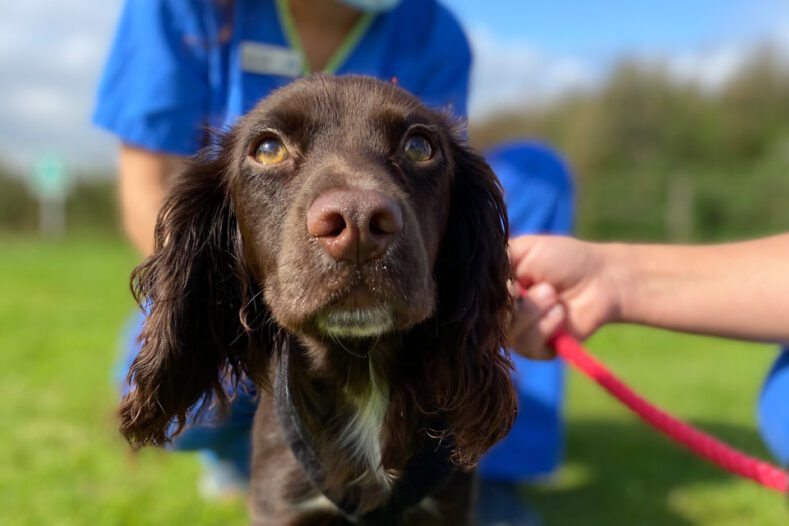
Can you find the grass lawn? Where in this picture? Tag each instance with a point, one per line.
(63, 304)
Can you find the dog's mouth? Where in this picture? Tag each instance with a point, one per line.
(359, 309)
(358, 313)
(356, 323)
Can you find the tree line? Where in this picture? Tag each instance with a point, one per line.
(654, 158)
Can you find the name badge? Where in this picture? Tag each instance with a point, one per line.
(265, 59)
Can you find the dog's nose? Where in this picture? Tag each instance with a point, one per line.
(354, 225)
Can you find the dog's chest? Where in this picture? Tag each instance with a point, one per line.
(362, 435)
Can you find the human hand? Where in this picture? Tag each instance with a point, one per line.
(537, 316)
(568, 283)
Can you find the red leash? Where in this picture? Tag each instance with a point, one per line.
(697, 441)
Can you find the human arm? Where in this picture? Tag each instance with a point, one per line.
(738, 290)
(145, 176)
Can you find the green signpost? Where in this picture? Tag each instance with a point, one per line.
(51, 184)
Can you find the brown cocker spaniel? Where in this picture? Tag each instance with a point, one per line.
(345, 250)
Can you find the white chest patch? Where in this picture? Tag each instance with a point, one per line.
(362, 434)
(315, 503)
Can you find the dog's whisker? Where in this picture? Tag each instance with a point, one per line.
(341, 344)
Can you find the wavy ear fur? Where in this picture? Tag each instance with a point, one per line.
(198, 297)
(474, 387)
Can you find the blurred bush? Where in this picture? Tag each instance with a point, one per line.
(659, 159)
(91, 206)
(17, 206)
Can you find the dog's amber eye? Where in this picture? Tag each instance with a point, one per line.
(418, 148)
(271, 151)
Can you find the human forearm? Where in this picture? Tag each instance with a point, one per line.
(737, 290)
(145, 178)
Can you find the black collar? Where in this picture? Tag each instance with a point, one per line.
(426, 472)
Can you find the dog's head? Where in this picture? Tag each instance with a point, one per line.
(341, 191)
(340, 211)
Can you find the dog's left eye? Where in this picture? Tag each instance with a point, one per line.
(271, 151)
(418, 148)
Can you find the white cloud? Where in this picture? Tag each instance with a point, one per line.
(515, 74)
(51, 53)
(41, 103)
(511, 74)
(711, 69)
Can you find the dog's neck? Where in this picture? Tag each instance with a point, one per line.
(363, 443)
(337, 411)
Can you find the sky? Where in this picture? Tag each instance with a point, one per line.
(527, 52)
(601, 28)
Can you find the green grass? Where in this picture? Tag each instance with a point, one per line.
(620, 472)
(62, 307)
(63, 304)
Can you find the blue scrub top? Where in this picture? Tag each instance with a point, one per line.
(539, 193)
(177, 67)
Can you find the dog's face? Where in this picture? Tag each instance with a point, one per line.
(342, 195)
(339, 211)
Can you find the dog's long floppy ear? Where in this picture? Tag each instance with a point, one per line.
(200, 304)
(474, 306)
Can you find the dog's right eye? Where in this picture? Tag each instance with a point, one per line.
(418, 148)
(271, 151)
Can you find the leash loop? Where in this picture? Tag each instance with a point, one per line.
(697, 441)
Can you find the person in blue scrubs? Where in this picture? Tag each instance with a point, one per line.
(179, 66)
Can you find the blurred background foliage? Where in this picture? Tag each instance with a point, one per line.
(91, 207)
(658, 159)
(654, 158)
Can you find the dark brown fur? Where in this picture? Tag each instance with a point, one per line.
(235, 279)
